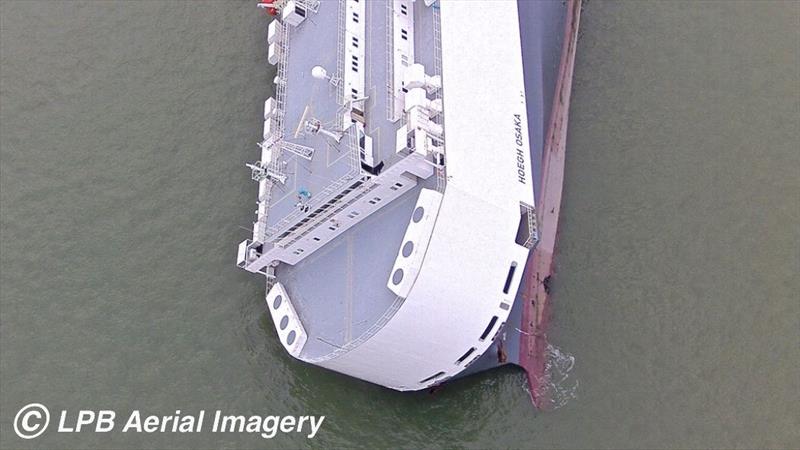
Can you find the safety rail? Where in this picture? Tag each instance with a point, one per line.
(321, 198)
(260, 234)
(297, 149)
(533, 228)
(363, 189)
(271, 279)
(352, 148)
(390, 60)
(441, 171)
(340, 35)
(311, 5)
(261, 222)
(282, 79)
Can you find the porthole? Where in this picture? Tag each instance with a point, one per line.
(277, 302)
(284, 322)
(290, 338)
(397, 276)
(418, 213)
(408, 247)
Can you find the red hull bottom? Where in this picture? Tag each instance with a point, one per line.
(540, 263)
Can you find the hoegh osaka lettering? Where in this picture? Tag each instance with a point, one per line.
(521, 177)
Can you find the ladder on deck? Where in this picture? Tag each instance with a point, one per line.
(297, 149)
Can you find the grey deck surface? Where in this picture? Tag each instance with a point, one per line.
(314, 43)
(311, 44)
(340, 291)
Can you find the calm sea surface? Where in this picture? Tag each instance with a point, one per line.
(124, 129)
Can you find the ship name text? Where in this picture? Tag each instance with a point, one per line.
(521, 174)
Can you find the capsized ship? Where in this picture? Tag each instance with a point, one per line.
(409, 183)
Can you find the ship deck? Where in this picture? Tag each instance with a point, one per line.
(314, 43)
(340, 291)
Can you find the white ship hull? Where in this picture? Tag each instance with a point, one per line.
(407, 273)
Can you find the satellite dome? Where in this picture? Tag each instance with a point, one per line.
(319, 72)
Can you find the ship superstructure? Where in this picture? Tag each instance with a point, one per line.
(396, 209)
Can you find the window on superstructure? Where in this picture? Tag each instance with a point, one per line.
(432, 377)
(489, 328)
(404, 34)
(465, 355)
(355, 17)
(404, 10)
(509, 277)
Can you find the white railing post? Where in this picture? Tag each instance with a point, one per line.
(441, 172)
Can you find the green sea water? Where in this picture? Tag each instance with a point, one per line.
(124, 128)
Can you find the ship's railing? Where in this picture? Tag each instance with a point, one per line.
(280, 89)
(319, 199)
(297, 149)
(390, 61)
(311, 5)
(352, 148)
(278, 119)
(270, 276)
(260, 234)
(380, 323)
(340, 35)
(358, 193)
(441, 172)
(533, 228)
(437, 40)
(261, 222)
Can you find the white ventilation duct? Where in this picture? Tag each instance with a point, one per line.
(415, 77)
